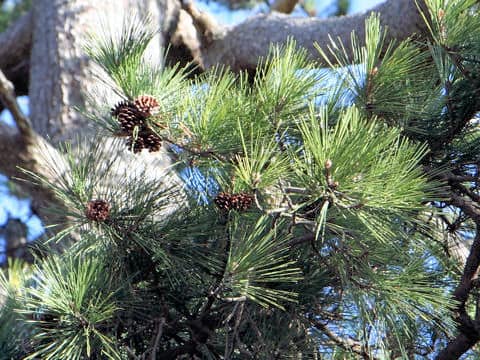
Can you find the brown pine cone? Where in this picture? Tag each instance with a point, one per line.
(97, 210)
(239, 202)
(128, 115)
(147, 105)
(223, 201)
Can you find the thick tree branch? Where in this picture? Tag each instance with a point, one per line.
(21, 149)
(15, 46)
(242, 45)
(469, 329)
(21, 152)
(345, 343)
(468, 206)
(7, 97)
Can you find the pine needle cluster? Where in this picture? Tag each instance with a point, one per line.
(322, 237)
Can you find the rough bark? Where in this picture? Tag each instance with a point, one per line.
(15, 46)
(60, 71)
(60, 76)
(26, 152)
(469, 329)
(241, 46)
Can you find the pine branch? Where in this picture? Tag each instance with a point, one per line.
(469, 328)
(468, 206)
(158, 336)
(7, 96)
(345, 343)
(205, 154)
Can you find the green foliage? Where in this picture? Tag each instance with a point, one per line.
(448, 24)
(362, 169)
(258, 257)
(71, 317)
(328, 233)
(123, 59)
(13, 331)
(392, 81)
(370, 163)
(256, 168)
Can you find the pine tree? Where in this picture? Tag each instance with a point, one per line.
(321, 227)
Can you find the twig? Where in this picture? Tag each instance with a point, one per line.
(345, 343)
(469, 207)
(207, 154)
(257, 331)
(229, 349)
(295, 190)
(131, 353)
(474, 196)
(237, 325)
(161, 323)
(217, 288)
(243, 348)
(237, 299)
(7, 96)
(301, 240)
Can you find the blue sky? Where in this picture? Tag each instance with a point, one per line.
(225, 16)
(362, 5)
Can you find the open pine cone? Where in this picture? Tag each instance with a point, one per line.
(240, 202)
(97, 210)
(147, 105)
(128, 115)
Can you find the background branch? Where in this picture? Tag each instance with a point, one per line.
(15, 46)
(7, 96)
(240, 47)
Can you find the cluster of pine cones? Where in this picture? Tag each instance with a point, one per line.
(97, 210)
(133, 114)
(239, 202)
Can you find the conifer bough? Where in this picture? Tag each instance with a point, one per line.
(353, 186)
(132, 118)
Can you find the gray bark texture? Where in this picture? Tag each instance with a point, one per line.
(241, 46)
(15, 53)
(60, 72)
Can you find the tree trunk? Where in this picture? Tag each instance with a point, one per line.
(60, 72)
(60, 77)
